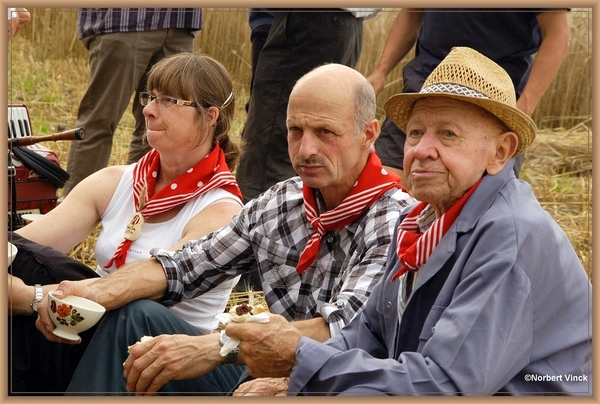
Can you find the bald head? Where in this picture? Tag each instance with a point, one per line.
(336, 81)
(331, 129)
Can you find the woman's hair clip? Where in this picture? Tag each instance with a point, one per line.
(228, 100)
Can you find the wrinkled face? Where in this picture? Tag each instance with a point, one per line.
(322, 144)
(449, 146)
(170, 126)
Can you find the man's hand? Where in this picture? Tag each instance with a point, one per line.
(377, 80)
(266, 386)
(153, 363)
(269, 350)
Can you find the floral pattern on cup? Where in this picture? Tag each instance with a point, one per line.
(66, 314)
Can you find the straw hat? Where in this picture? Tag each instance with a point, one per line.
(467, 75)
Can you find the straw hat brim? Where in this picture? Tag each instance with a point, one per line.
(399, 109)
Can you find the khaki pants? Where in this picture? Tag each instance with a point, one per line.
(119, 63)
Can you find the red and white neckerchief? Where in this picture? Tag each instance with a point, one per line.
(210, 173)
(372, 182)
(414, 247)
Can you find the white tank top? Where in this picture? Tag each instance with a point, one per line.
(200, 311)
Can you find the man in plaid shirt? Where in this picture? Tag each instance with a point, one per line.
(319, 242)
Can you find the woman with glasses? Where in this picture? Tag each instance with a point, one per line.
(181, 190)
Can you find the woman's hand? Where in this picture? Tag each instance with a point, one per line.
(64, 289)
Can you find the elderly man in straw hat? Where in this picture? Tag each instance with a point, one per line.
(483, 293)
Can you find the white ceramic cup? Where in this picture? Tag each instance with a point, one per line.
(72, 315)
(30, 217)
(12, 253)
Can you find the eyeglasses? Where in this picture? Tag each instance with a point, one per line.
(163, 100)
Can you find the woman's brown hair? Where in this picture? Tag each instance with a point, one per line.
(204, 80)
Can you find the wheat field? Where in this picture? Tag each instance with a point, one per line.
(48, 72)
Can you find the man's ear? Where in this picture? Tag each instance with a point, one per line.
(506, 145)
(371, 132)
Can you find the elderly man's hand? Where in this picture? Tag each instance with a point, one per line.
(155, 362)
(266, 386)
(269, 350)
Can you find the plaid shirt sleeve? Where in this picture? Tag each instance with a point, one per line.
(269, 234)
(201, 265)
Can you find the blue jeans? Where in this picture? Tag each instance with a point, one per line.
(100, 371)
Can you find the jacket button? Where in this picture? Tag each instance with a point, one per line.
(389, 305)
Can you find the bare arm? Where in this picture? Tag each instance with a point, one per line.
(143, 279)
(77, 216)
(20, 299)
(21, 295)
(401, 38)
(269, 350)
(146, 279)
(275, 346)
(211, 218)
(554, 26)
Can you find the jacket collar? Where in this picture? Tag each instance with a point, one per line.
(476, 206)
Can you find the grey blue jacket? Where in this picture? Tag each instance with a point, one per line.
(511, 313)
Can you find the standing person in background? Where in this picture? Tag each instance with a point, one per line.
(509, 38)
(298, 41)
(124, 43)
(260, 21)
(17, 18)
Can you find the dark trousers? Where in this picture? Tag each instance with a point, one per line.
(258, 37)
(100, 371)
(36, 365)
(297, 43)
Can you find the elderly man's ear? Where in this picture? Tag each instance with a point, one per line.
(506, 145)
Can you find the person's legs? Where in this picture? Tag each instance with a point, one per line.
(258, 38)
(36, 263)
(297, 43)
(138, 146)
(117, 62)
(123, 327)
(37, 365)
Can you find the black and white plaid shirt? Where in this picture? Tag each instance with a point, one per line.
(269, 234)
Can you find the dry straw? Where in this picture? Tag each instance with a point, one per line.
(48, 72)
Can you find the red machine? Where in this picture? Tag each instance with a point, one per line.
(34, 171)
